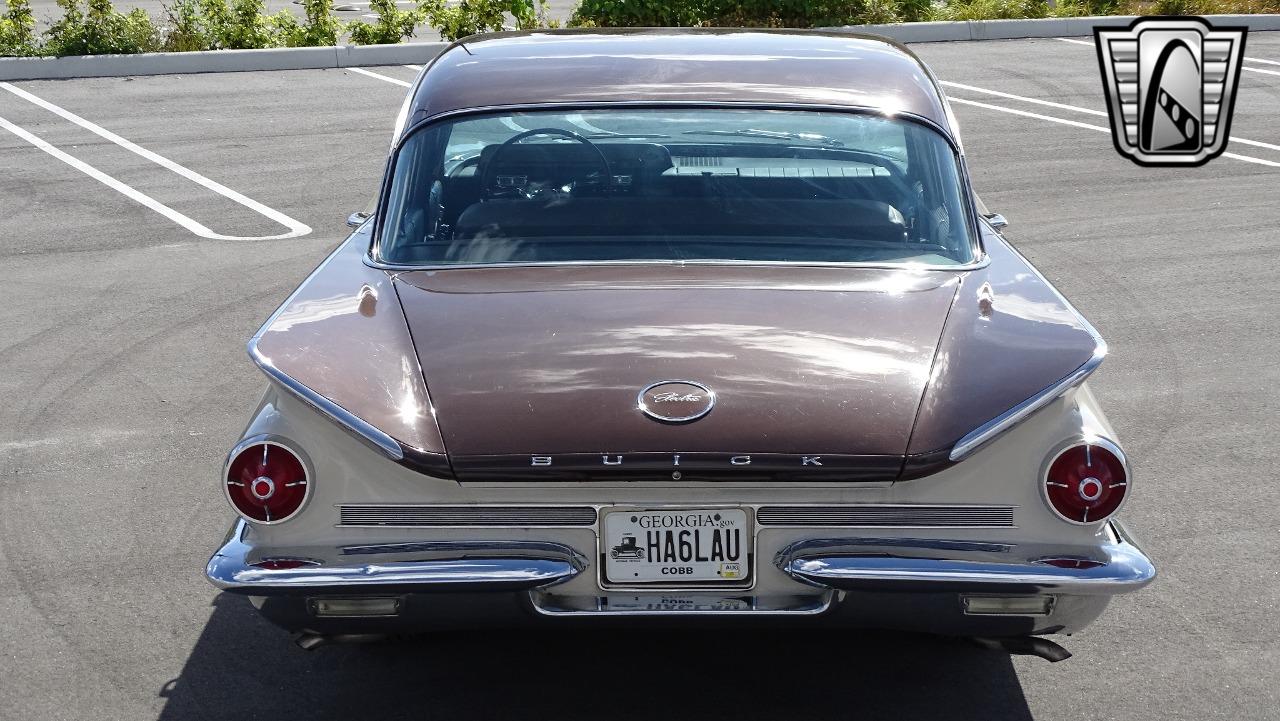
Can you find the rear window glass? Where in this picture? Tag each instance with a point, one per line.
(675, 185)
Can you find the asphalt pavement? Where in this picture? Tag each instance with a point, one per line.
(124, 380)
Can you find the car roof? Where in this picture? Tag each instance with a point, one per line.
(673, 65)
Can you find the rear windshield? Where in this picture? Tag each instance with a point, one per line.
(675, 185)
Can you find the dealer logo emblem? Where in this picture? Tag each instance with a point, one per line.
(1170, 86)
(676, 401)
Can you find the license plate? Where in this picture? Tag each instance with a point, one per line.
(676, 546)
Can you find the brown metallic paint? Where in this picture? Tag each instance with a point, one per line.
(677, 65)
(547, 360)
(1008, 336)
(343, 335)
(877, 363)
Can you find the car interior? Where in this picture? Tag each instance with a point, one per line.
(555, 195)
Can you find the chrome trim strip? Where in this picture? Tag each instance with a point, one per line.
(511, 567)
(680, 104)
(817, 604)
(347, 420)
(334, 412)
(886, 515)
(977, 264)
(1019, 413)
(852, 564)
(420, 515)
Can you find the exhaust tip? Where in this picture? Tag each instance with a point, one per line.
(1026, 646)
(310, 640)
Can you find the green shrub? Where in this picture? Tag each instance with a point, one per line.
(101, 29)
(318, 28)
(992, 9)
(18, 30)
(1085, 8)
(186, 31)
(640, 13)
(915, 10)
(745, 13)
(241, 25)
(468, 17)
(392, 26)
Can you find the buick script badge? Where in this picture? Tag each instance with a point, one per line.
(676, 401)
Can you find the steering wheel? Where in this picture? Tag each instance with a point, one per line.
(487, 189)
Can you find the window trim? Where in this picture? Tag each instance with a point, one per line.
(373, 259)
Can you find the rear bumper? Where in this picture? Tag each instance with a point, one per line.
(883, 583)
(898, 564)
(441, 566)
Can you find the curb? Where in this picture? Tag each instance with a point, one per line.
(216, 61)
(1037, 28)
(343, 56)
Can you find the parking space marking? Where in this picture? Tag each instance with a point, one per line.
(296, 229)
(1011, 96)
(1087, 126)
(380, 76)
(1078, 109)
(581, 122)
(504, 120)
(118, 186)
(1028, 114)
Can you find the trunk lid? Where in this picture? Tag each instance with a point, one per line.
(531, 363)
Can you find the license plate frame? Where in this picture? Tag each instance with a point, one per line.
(630, 571)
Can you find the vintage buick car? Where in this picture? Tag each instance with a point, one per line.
(676, 324)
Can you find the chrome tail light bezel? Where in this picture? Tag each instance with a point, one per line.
(280, 442)
(1097, 441)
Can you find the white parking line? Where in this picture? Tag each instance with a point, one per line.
(1027, 114)
(1078, 109)
(380, 76)
(296, 229)
(1087, 126)
(581, 122)
(414, 67)
(1011, 96)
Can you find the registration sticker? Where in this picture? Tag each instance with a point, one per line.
(676, 545)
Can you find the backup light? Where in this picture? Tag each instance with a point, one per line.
(1007, 605)
(266, 482)
(349, 607)
(1087, 482)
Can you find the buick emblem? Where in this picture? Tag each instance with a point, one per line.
(676, 401)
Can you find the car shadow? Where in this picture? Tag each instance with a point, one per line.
(244, 668)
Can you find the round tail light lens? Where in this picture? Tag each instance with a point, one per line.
(265, 481)
(1086, 483)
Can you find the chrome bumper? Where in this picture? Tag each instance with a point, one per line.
(900, 564)
(437, 566)
(909, 584)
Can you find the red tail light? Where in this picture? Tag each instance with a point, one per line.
(266, 482)
(1086, 483)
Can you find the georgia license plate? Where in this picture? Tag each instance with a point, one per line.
(676, 545)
